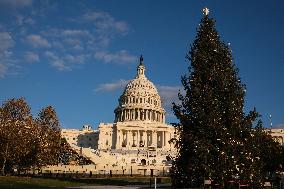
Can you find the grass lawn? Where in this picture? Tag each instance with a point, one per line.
(13, 182)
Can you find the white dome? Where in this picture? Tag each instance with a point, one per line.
(140, 100)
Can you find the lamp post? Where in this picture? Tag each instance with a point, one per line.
(270, 120)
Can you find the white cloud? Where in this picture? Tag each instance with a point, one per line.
(60, 65)
(106, 87)
(5, 54)
(104, 22)
(50, 55)
(31, 57)
(78, 33)
(169, 94)
(37, 41)
(78, 59)
(72, 41)
(3, 70)
(58, 45)
(120, 57)
(66, 62)
(16, 3)
(75, 44)
(22, 20)
(57, 62)
(6, 42)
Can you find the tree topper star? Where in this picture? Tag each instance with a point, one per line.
(205, 11)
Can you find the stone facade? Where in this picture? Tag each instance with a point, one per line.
(277, 134)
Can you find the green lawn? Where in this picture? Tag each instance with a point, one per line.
(13, 182)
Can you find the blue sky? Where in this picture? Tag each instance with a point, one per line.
(78, 55)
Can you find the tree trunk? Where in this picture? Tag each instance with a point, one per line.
(5, 159)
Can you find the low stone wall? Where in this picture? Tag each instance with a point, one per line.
(101, 170)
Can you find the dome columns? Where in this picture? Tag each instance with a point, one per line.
(139, 114)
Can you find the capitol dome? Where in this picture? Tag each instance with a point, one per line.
(140, 100)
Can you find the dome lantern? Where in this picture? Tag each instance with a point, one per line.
(141, 68)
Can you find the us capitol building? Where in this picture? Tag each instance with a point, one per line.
(137, 141)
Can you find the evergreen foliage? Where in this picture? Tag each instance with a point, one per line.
(217, 141)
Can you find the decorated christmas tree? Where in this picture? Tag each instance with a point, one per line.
(216, 137)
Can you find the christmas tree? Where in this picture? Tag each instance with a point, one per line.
(216, 137)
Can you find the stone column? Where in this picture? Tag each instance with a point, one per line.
(138, 139)
(141, 114)
(164, 138)
(154, 138)
(149, 139)
(117, 145)
(121, 139)
(133, 138)
(128, 138)
(147, 116)
(168, 137)
(138, 114)
(144, 138)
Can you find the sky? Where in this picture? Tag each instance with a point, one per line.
(77, 56)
